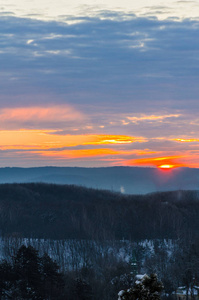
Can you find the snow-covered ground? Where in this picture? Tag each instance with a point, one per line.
(74, 254)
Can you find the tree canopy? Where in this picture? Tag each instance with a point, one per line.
(29, 276)
(145, 288)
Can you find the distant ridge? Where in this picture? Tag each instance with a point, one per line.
(129, 180)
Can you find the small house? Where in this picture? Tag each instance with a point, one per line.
(192, 293)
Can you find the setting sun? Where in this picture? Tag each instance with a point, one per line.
(166, 166)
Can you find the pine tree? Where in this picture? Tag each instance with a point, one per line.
(27, 269)
(51, 278)
(145, 288)
(30, 277)
(82, 290)
(7, 279)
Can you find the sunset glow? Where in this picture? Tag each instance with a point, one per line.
(46, 139)
(168, 162)
(119, 90)
(56, 145)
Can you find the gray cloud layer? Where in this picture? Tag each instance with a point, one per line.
(139, 62)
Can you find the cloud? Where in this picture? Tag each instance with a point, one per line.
(185, 140)
(48, 139)
(117, 139)
(154, 118)
(101, 61)
(116, 80)
(39, 117)
(64, 10)
(72, 154)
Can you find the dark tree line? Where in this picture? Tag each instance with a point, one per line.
(69, 212)
(26, 275)
(29, 276)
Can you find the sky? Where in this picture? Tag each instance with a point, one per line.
(99, 83)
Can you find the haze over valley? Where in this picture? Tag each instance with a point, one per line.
(126, 180)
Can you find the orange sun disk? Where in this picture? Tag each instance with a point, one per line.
(167, 166)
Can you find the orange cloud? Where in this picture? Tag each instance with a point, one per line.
(44, 139)
(186, 140)
(54, 144)
(117, 139)
(37, 115)
(83, 153)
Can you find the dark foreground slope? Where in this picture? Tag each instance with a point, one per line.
(55, 211)
(130, 180)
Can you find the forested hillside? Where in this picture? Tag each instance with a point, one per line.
(65, 212)
(93, 235)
